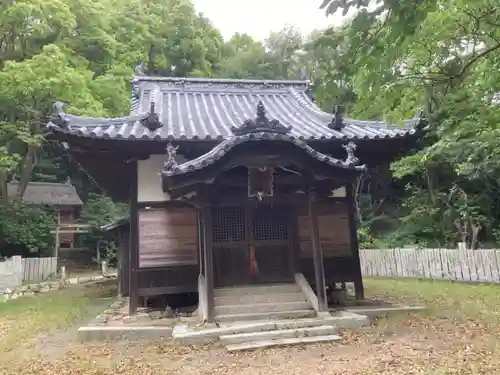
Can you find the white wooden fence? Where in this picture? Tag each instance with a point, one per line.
(16, 270)
(38, 269)
(11, 273)
(448, 264)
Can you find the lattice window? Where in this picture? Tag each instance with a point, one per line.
(269, 224)
(228, 224)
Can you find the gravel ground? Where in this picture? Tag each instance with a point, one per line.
(458, 335)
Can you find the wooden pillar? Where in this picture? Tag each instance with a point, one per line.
(319, 271)
(124, 249)
(353, 236)
(294, 240)
(201, 241)
(208, 260)
(133, 241)
(119, 264)
(57, 244)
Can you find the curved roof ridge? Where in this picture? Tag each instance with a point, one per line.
(92, 122)
(139, 78)
(307, 103)
(225, 146)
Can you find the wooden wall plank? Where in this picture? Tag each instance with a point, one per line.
(168, 237)
(333, 222)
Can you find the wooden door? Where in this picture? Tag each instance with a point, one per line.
(230, 246)
(270, 236)
(251, 245)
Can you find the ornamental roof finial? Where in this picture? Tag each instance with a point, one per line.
(171, 162)
(351, 158)
(338, 120)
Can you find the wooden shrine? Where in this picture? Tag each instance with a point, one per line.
(232, 182)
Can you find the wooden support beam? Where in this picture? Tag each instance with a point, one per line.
(134, 241)
(208, 259)
(57, 244)
(353, 234)
(201, 242)
(294, 239)
(319, 271)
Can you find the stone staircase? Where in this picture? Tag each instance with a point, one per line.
(259, 334)
(301, 331)
(256, 317)
(263, 302)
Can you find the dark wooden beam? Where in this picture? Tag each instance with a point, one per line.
(208, 259)
(294, 239)
(158, 291)
(319, 271)
(124, 260)
(353, 234)
(134, 241)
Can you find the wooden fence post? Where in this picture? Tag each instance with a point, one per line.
(104, 267)
(63, 272)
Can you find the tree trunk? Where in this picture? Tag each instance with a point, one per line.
(3, 187)
(27, 165)
(476, 228)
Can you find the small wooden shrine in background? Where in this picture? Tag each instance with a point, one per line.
(65, 200)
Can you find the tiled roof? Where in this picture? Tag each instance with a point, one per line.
(58, 194)
(227, 145)
(206, 109)
(124, 220)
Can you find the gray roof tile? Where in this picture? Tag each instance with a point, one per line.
(194, 108)
(58, 194)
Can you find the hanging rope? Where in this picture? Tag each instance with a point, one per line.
(254, 268)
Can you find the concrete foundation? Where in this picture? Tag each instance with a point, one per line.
(246, 318)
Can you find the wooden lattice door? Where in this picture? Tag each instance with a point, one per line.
(230, 246)
(251, 245)
(270, 236)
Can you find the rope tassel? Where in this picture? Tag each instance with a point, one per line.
(254, 269)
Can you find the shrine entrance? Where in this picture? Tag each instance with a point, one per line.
(252, 244)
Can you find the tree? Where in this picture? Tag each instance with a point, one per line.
(25, 230)
(432, 55)
(83, 52)
(167, 36)
(27, 92)
(283, 48)
(243, 57)
(100, 210)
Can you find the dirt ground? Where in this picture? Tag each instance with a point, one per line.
(459, 334)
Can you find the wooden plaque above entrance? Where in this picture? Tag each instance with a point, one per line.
(167, 237)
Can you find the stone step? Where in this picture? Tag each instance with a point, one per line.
(259, 298)
(295, 314)
(258, 289)
(324, 330)
(348, 320)
(183, 335)
(262, 307)
(281, 342)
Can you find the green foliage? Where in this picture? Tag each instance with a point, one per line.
(83, 52)
(98, 211)
(25, 230)
(402, 56)
(365, 238)
(389, 61)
